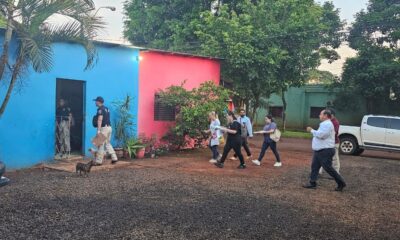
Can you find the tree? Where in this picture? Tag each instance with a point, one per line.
(306, 32)
(374, 74)
(193, 107)
(27, 22)
(269, 45)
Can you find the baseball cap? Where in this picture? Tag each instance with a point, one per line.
(99, 99)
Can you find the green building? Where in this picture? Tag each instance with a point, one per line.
(303, 107)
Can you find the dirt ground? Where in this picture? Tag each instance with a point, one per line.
(182, 196)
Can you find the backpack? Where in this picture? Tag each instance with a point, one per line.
(94, 121)
(243, 128)
(276, 135)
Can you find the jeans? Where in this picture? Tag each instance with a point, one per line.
(214, 150)
(323, 158)
(245, 145)
(264, 148)
(235, 145)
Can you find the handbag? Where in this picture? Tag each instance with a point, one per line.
(276, 135)
(221, 140)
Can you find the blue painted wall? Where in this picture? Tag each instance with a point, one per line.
(27, 129)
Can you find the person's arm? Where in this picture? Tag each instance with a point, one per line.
(249, 127)
(323, 131)
(99, 122)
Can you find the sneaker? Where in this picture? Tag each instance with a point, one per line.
(219, 164)
(114, 162)
(213, 161)
(233, 159)
(242, 166)
(278, 164)
(310, 186)
(340, 187)
(256, 162)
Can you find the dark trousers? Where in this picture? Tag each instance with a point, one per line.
(245, 145)
(235, 145)
(2, 169)
(214, 150)
(323, 158)
(265, 147)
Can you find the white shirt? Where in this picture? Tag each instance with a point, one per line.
(324, 137)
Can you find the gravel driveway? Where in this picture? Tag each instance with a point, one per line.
(184, 197)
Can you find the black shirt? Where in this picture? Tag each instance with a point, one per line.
(63, 113)
(235, 137)
(103, 111)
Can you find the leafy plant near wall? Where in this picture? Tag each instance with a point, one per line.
(124, 124)
(193, 107)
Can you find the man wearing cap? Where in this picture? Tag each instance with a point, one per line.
(104, 127)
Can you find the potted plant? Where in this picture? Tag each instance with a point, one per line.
(124, 124)
(135, 148)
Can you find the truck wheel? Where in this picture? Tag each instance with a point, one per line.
(348, 146)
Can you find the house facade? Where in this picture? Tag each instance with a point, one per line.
(28, 126)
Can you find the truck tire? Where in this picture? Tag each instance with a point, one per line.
(348, 146)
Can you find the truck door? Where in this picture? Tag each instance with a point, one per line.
(393, 133)
(373, 131)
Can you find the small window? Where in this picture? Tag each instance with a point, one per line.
(316, 111)
(376, 122)
(395, 124)
(276, 112)
(163, 112)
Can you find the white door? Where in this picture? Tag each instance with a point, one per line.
(373, 131)
(393, 133)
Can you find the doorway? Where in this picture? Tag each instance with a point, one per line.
(72, 92)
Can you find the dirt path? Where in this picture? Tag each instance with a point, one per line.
(182, 196)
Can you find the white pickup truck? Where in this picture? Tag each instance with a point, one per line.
(376, 132)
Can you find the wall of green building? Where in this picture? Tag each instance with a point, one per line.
(299, 103)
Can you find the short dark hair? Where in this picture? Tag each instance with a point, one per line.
(242, 110)
(269, 116)
(328, 113)
(332, 111)
(232, 114)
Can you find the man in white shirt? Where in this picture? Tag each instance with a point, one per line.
(323, 145)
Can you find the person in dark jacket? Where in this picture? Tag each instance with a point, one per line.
(234, 141)
(3, 180)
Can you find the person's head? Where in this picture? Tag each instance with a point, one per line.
(242, 112)
(212, 116)
(99, 101)
(325, 115)
(61, 102)
(332, 112)
(269, 119)
(230, 117)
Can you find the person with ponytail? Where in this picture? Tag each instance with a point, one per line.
(269, 128)
(234, 141)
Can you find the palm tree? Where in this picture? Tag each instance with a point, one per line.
(28, 21)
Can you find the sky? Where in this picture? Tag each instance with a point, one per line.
(115, 20)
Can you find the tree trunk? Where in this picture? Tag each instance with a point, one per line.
(6, 46)
(14, 77)
(284, 110)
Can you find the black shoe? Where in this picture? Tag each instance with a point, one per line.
(310, 186)
(219, 164)
(340, 187)
(114, 162)
(242, 166)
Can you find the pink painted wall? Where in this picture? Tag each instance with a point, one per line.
(159, 70)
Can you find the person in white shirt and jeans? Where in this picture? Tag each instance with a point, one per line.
(323, 145)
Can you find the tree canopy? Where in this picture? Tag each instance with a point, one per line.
(374, 74)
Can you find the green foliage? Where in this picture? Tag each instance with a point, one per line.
(374, 74)
(193, 108)
(29, 22)
(124, 125)
(132, 146)
(321, 77)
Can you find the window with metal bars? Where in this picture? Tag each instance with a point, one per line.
(163, 112)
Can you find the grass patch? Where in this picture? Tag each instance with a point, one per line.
(296, 134)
